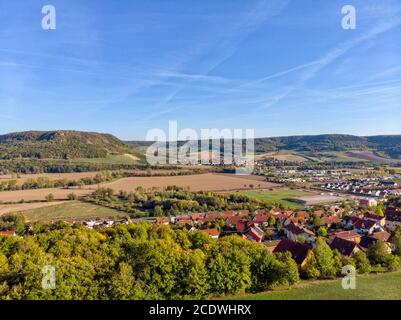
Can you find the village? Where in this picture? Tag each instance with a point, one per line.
(296, 231)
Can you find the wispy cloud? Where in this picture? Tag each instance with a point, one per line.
(226, 45)
(331, 56)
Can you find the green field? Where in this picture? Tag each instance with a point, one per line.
(385, 286)
(71, 210)
(279, 196)
(110, 159)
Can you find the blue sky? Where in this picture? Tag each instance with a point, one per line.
(281, 67)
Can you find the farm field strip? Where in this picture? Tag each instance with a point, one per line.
(20, 207)
(75, 210)
(202, 182)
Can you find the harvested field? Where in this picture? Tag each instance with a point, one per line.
(203, 182)
(79, 175)
(20, 207)
(40, 194)
(51, 176)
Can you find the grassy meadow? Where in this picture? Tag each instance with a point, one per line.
(71, 210)
(386, 286)
(280, 196)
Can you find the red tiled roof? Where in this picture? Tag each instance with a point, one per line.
(237, 221)
(381, 235)
(244, 213)
(212, 232)
(372, 216)
(367, 241)
(319, 213)
(345, 247)
(7, 233)
(298, 250)
(393, 214)
(296, 219)
(261, 218)
(364, 224)
(229, 214)
(347, 235)
(254, 233)
(297, 230)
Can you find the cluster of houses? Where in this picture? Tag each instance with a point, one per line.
(107, 223)
(284, 230)
(289, 230)
(365, 187)
(308, 175)
(90, 224)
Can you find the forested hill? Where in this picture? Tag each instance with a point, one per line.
(63, 144)
(59, 145)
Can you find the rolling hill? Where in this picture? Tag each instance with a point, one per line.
(69, 144)
(59, 145)
(337, 147)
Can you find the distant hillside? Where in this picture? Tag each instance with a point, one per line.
(381, 146)
(59, 145)
(387, 146)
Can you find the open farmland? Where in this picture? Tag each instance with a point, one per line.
(282, 196)
(368, 156)
(71, 210)
(52, 176)
(21, 178)
(203, 182)
(40, 194)
(110, 159)
(282, 156)
(20, 207)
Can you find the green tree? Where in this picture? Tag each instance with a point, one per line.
(272, 221)
(378, 253)
(228, 267)
(3, 263)
(72, 196)
(380, 211)
(362, 262)
(324, 259)
(396, 241)
(123, 285)
(322, 231)
(311, 269)
(49, 197)
(158, 211)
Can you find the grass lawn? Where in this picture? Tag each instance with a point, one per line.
(279, 196)
(386, 286)
(71, 210)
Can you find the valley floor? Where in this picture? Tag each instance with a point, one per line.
(205, 182)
